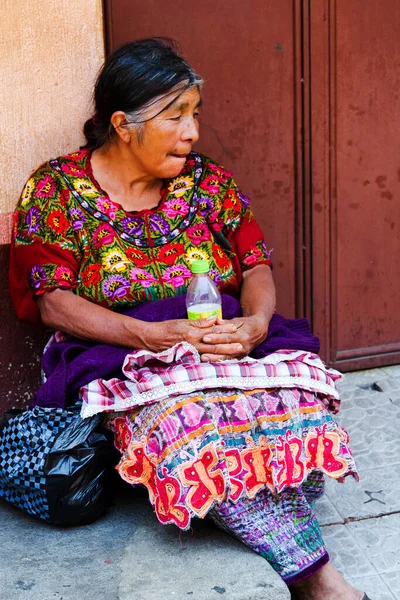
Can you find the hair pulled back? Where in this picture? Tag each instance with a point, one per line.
(132, 77)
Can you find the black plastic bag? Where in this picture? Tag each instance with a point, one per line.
(56, 465)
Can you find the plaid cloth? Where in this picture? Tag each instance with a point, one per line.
(151, 377)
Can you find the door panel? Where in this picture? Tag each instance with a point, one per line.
(355, 115)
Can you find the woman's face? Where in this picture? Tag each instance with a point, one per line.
(167, 139)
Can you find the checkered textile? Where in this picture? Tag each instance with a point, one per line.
(25, 443)
(151, 377)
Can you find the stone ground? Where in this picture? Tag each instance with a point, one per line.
(127, 555)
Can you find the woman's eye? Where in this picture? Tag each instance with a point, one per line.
(196, 115)
(175, 118)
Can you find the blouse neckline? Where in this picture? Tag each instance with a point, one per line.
(182, 188)
(118, 206)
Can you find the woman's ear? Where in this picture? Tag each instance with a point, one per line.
(118, 120)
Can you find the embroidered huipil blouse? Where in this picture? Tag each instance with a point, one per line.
(69, 234)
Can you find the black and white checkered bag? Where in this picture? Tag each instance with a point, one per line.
(54, 465)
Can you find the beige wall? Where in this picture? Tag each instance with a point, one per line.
(50, 52)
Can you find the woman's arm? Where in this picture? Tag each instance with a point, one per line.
(257, 299)
(64, 310)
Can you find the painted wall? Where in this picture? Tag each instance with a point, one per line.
(50, 53)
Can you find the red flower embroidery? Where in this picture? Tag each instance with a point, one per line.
(206, 484)
(322, 449)
(167, 507)
(257, 460)
(223, 262)
(168, 254)
(139, 258)
(232, 201)
(288, 453)
(234, 466)
(123, 435)
(91, 275)
(73, 169)
(64, 196)
(57, 221)
(140, 468)
(78, 155)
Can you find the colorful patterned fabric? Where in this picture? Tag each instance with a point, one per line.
(282, 528)
(154, 376)
(68, 234)
(195, 451)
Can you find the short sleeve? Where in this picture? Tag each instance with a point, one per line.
(242, 230)
(45, 253)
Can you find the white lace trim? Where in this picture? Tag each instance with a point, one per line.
(185, 387)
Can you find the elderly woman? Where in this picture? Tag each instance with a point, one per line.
(103, 243)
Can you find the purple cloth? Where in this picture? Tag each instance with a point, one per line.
(71, 364)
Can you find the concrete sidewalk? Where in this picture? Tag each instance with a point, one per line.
(127, 555)
(361, 521)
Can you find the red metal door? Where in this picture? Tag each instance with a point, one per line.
(245, 52)
(355, 219)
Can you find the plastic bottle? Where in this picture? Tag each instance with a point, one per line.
(203, 299)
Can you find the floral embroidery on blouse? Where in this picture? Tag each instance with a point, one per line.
(69, 234)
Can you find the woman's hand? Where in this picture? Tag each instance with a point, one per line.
(162, 335)
(250, 332)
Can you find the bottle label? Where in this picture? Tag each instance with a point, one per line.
(194, 315)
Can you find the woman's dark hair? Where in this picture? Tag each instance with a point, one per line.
(131, 78)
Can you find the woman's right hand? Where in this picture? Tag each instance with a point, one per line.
(164, 334)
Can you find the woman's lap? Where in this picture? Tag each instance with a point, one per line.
(195, 451)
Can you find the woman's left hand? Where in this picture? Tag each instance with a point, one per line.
(251, 331)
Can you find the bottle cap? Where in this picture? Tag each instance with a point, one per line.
(200, 266)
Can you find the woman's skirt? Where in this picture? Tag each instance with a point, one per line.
(253, 461)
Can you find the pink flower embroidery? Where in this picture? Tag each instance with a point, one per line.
(142, 276)
(64, 276)
(211, 184)
(198, 234)
(176, 275)
(222, 174)
(107, 207)
(45, 187)
(175, 207)
(252, 256)
(104, 234)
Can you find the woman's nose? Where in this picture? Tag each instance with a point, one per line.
(191, 130)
